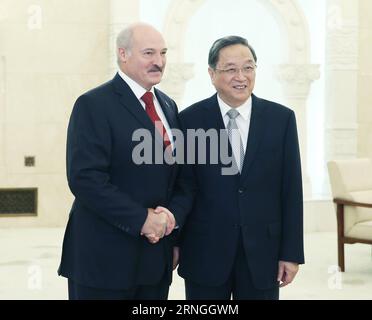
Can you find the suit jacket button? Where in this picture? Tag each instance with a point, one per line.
(241, 190)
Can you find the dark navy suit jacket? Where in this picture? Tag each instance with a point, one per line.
(102, 245)
(264, 203)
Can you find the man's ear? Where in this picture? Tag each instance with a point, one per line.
(123, 54)
(212, 73)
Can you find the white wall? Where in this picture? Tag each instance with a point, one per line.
(252, 20)
(52, 52)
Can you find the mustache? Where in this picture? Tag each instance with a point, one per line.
(156, 68)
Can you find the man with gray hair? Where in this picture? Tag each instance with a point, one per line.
(118, 243)
(243, 235)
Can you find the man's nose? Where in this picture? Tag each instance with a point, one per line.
(239, 75)
(159, 60)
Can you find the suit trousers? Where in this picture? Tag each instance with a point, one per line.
(143, 292)
(239, 284)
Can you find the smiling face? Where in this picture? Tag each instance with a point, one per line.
(234, 88)
(145, 61)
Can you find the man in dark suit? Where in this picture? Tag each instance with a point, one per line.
(244, 230)
(106, 254)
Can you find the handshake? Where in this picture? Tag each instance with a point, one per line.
(160, 222)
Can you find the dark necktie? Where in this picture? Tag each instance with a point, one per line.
(151, 111)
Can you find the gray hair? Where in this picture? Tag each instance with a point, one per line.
(124, 40)
(221, 43)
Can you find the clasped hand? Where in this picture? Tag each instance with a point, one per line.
(160, 222)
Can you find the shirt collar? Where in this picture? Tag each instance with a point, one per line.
(244, 109)
(137, 89)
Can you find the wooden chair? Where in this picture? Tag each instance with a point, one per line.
(351, 183)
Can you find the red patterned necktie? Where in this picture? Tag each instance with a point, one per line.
(151, 111)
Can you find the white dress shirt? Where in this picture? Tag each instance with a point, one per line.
(139, 91)
(243, 120)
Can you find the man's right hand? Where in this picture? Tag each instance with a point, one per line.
(171, 220)
(155, 225)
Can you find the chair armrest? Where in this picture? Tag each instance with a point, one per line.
(352, 203)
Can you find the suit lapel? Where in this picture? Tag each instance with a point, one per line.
(173, 124)
(256, 131)
(213, 118)
(131, 103)
(167, 110)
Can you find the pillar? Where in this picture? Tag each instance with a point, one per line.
(296, 80)
(341, 77)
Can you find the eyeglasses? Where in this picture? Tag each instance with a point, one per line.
(246, 70)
